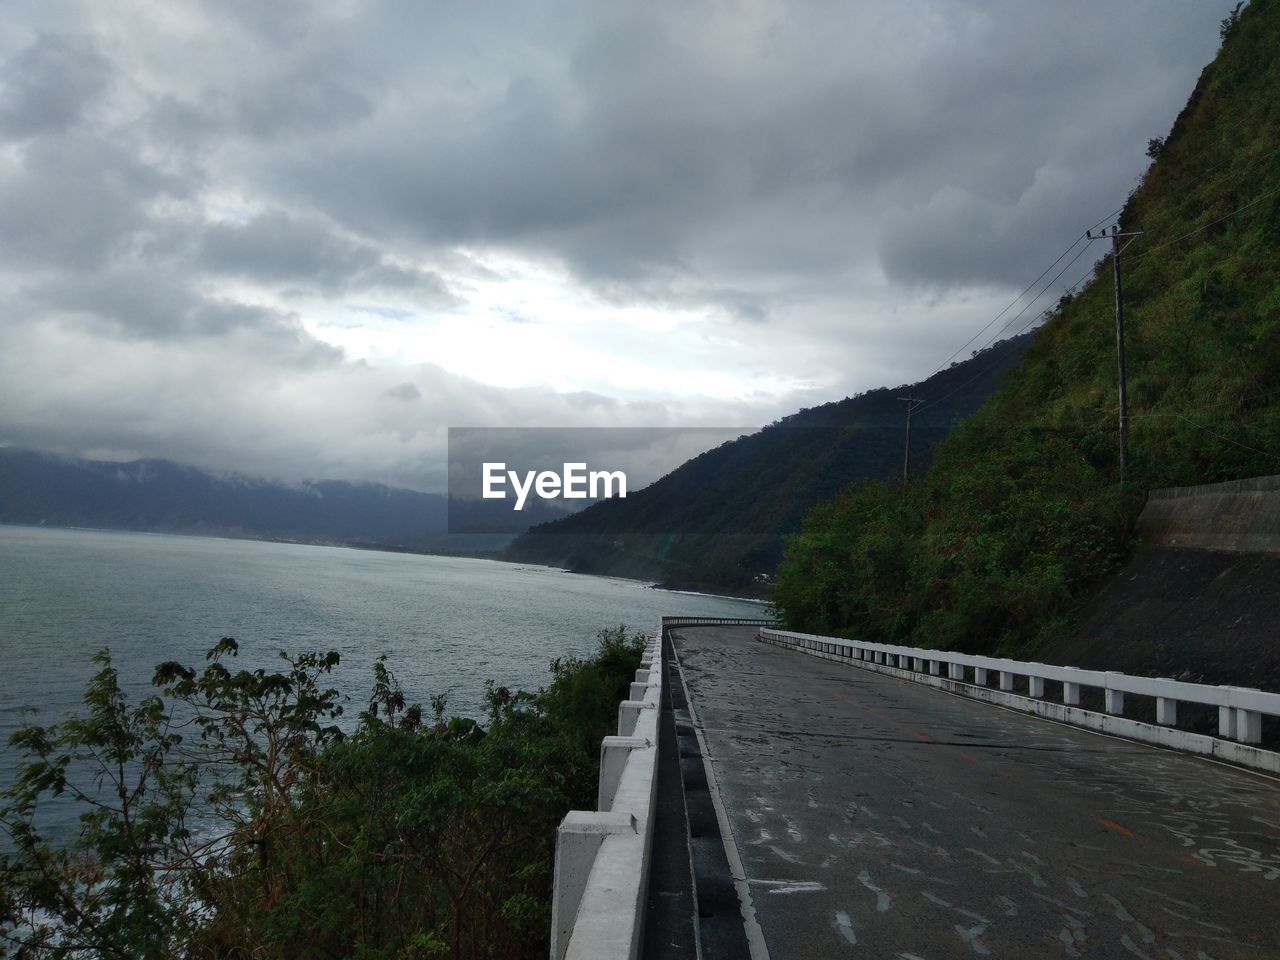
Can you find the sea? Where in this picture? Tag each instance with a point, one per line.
(445, 624)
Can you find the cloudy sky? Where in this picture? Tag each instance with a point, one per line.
(304, 238)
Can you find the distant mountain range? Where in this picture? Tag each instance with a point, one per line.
(161, 496)
(718, 521)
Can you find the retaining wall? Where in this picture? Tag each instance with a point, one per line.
(1241, 516)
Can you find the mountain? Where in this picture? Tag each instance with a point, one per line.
(161, 496)
(1024, 512)
(717, 522)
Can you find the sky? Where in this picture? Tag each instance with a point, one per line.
(302, 239)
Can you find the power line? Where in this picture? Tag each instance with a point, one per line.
(1213, 223)
(1013, 302)
(912, 403)
(1200, 426)
(1228, 439)
(1074, 287)
(1046, 288)
(1025, 291)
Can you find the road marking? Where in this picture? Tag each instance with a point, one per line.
(845, 927)
(790, 886)
(882, 896)
(1117, 827)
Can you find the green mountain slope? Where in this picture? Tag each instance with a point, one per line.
(717, 522)
(1023, 511)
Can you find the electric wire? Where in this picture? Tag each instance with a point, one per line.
(1027, 324)
(1213, 223)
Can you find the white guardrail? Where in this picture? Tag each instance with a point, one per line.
(1240, 709)
(602, 856)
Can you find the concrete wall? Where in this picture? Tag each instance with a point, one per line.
(1242, 516)
(602, 862)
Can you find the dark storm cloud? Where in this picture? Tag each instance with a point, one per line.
(144, 303)
(75, 200)
(48, 85)
(186, 189)
(278, 248)
(966, 139)
(405, 392)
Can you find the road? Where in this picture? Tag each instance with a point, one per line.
(879, 818)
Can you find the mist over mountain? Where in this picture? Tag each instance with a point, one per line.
(162, 496)
(718, 521)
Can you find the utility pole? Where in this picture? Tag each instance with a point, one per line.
(1116, 250)
(912, 403)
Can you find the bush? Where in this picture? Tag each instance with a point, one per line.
(229, 817)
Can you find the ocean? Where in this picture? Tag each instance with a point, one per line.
(446, 624)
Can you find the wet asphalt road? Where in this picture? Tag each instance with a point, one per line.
(878, 818)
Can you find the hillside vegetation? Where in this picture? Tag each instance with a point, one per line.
(1023, 511)
(717, 522)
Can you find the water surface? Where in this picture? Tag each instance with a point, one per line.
(446, 624)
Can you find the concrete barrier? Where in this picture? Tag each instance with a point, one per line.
(1240, 709)
(602, 855)
(1239, 516)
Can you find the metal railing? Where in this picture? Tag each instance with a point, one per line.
(670, 622)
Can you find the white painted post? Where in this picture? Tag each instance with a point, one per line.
(1006, 680)
(917, 664)
(613, 760)
(1114, 701)
(577, 841)
(1248, 726)
(980, 676)
(638, 691)
(955, 671)
(629, 715)
(1166, 711)
(1035, 687)
(1227, 722)
(1071, 694)
(935, 667)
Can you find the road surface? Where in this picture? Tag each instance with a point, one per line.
(875, 817)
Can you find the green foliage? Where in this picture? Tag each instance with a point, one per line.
(230, 818)
(1228, 24)
(1022, 511)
